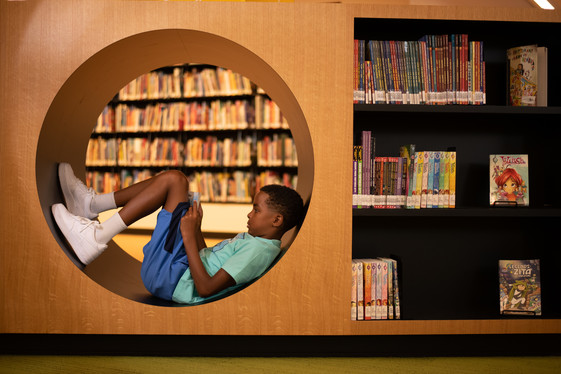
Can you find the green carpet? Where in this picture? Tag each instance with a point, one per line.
(15, 364)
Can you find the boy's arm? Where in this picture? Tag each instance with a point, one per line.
(200, 238)
(205, 284)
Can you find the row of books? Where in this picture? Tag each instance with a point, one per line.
(178, 116)
(186, 82)
(434, 70)
(191, 116)
(238, 186)
(271, 151)
(211, 151)
(375, 289)
(276, 150)
(414, 180)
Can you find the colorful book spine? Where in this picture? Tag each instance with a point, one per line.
(367, 288)
(355, 176)
(354, 283)
(383, 267)
(452, 202)
(360, 291)
(436, 180)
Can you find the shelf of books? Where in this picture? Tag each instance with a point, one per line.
(454, 168)
(226, 134)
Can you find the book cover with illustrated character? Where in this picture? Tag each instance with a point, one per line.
(520, 290)
(523, 75)
(527, 75)
(509, 182)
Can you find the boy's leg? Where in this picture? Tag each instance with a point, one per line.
(81, 200)
(165, 190)
(89, 238)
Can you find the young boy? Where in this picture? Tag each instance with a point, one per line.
(177, 264)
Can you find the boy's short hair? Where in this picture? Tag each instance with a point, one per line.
(287, 202)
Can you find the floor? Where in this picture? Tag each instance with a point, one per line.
(15, 364)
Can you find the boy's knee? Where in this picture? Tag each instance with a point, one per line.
(177, 178)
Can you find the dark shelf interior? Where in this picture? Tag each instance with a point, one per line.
(497, 37)
(449, 257)
(449, 268)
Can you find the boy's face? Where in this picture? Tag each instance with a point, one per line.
(263, 221)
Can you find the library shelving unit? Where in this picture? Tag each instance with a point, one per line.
(64, 62)
(210, 122)
(449, 257)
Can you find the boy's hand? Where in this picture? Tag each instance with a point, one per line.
(191, 221)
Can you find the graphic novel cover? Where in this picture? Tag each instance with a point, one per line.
(509, 182)
(523, 75)
(520, 290)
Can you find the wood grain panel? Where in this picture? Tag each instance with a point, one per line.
(309, 47)
(48, 42)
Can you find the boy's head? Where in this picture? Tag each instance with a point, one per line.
(276, 209)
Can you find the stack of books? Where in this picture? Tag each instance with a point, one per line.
(375, 289)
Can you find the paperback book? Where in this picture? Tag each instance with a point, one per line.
(527, 75)
(509, 182)
(520, 289)
(375, 289)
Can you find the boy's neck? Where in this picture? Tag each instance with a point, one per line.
(275, 236)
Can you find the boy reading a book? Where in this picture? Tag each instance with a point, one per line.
(177, 264)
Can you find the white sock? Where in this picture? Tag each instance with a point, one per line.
(101, 203)
(108, 229)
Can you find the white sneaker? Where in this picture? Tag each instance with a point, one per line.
(80, 233)
(77, 196)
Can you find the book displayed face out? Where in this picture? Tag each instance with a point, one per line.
(509, 183)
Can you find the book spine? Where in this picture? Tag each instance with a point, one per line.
(354, 283)
(442, 175)
(425, 177)
(419, 183)
(452, 203)
(355, 177)
(436, 180)
(411, 193)
(384, 289)
(430, 180)
(360, 291)
(367, 288)
(446, 197)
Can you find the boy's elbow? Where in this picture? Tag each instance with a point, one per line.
(205, 292)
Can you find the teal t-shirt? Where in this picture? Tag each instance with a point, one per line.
(244, 257)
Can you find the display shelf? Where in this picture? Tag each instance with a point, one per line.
(448, 258)
(460, 212)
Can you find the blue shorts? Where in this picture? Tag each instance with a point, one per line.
(161, 270)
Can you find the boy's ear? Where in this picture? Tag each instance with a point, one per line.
(278, 221)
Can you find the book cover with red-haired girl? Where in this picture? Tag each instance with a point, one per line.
(509, 182)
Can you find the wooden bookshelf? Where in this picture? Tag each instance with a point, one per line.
(68, 60)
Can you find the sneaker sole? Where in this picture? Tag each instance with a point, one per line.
(64, 171)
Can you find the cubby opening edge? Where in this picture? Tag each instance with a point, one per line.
(73, 112)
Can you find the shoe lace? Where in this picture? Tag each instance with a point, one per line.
(90, 191)
(86, 223)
